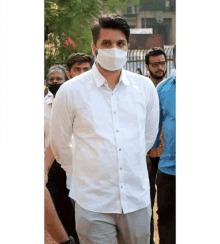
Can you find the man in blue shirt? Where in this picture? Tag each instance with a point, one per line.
(166, 175)
(156, 64)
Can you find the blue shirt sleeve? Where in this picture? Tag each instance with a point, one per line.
(158, 140)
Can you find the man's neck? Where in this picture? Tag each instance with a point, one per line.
(112, 77)
(156, 81)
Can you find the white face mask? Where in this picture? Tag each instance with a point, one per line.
(111, 59)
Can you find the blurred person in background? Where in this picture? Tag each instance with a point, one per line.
(156, 64)
(166, 173)
(155, 61)
(173, 71)
(56, 178)
(77, 64)
(138, 71)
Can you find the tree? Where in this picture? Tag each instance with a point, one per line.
(68, 26)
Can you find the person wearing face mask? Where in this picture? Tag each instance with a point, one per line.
(113, 115)
(55, 176)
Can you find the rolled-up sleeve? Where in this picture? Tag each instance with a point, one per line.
(152, 119)
(62, 128)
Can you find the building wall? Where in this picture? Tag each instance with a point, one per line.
(168, 25)
(171, 29)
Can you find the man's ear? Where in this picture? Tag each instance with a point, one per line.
(68, 74)
(94, 51)
(147, 67)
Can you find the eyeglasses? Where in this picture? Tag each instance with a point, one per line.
(156, 64)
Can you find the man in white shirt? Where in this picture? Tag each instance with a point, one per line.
(113, 115)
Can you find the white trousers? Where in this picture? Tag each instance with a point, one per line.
(105, 228)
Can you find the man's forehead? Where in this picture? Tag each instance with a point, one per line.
(108, 34)
(157, 58)
(81, 65)
(55, 73)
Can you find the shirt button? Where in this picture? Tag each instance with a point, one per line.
(119, 149)
(116, 130)
(121, 186)
(114, 112)
(120, 168)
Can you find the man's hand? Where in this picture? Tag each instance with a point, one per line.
(156, 152)
(149, 166)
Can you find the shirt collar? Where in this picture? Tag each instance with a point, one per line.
(50, 94)
(49, 98)
(100, 79)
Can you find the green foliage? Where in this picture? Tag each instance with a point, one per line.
(73, 18)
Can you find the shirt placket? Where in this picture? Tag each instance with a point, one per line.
(119, 146)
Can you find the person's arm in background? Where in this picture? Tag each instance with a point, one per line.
(52, 222)
(156, 152)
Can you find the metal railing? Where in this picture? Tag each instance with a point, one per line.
(136, 59)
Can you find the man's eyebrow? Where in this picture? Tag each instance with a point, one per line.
(106, 40)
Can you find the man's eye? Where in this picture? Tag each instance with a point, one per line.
(106, 43)
(121, 44)
(76, 69)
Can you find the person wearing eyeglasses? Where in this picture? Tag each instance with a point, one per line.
(155, 61)
(166, 173)
(156, 64)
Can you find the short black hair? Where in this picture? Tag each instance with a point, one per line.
(154, 51)
(110, 21)
(57, 68)
(78, 58)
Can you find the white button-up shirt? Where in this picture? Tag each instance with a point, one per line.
(113, 131)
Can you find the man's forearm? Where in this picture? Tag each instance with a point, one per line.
(52, 222)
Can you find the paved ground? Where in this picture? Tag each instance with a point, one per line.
(49, 240)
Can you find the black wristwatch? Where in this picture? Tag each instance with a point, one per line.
(70, 241)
